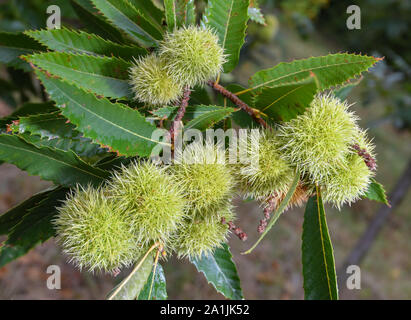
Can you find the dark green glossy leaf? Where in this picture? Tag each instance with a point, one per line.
(35, 227)
(229, 19)
(95, 23)
(126, 17)
(110, 124)
(52, 130)
(376, 192)
(71, 41)
(220, 270)
(12, 217)
(208, 119)
(158, 287)
(101, 75)
(179, 13)
(61, 167)
(149, 10)
(199, 95)
(13, 45)
(191, 113)
(330, 70)
(286, 102)
(26, 110)
(132, 285)
(320, 282)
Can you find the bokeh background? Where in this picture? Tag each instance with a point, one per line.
(295, 29)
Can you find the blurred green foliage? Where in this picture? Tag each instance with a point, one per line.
(385, 26)
(19, 15)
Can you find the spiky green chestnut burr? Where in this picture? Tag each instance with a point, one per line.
(267, 171)
(204, 175)
(152, 198)
(364, 142)
(94, 232)
(151, 83)
(318, 141)
(203, 233)
(193, 55)
(349, 183)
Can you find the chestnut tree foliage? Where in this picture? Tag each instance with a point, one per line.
(92, 124)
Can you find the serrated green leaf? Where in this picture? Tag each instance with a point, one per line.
(52, 130)
(83, 147)
(179, 13)
(125, 16)
(376, 192)
(13, 216)
(111, 124)
(285, 102)
(229, 19)
(61, 167)
(254, 12)
(26, 110)
(88, 5)
(71, 41)
(94, 23)
(132, 286)
(35, 227)
(102, 75)
(191, 113)
(149, 10)
(220, 270)
(158, 287)
(13, 45)
(320, 282)
(330, 70)
(208, 119)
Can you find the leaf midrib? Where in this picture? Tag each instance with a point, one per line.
(105, 120)
(306, 70)
(322, 242)
(206, 116)
(138, 27)
(54, 159)
(84, 72)
(284, 96)
(228, 23)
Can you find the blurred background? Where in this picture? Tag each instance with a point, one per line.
(376, 238)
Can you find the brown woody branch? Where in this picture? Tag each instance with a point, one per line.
(180, 114)
(238, 102)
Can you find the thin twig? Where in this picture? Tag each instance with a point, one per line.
(180, 114)
(238, 102)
